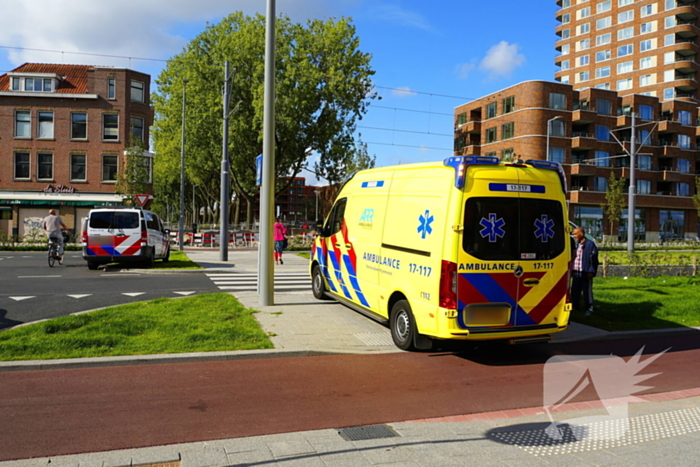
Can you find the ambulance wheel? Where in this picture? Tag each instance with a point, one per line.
(92, 265)
(151, 258)
(166, 258)
(403, 325)
(318, 286)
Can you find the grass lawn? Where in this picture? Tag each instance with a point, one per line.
(201, 323)
(659, 257)
(178, 260)
(643, 303)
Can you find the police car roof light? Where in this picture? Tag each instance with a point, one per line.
(460, 164)
(556, 166)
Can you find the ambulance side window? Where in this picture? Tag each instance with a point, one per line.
(335, 220)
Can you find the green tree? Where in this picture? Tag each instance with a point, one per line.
(615, 201)
(135, 176)
(323, 86)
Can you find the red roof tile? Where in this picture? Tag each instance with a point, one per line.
(75, 77)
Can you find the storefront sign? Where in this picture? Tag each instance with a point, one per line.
(59, 189)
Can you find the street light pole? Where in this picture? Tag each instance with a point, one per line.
(632, 190)
(181, 230)
(549, 126)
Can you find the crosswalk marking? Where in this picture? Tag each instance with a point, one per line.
(249, 282)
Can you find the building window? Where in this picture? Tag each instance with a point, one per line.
(111, 88)
(583, 76)
(602, 7)
(625, 67)
(15, 84)
(624, 2)
(37, 84)
(460, 142)
(557, 154)
(44, 166)
(646, 62)
(557, 101)
(625, 16)
(685, 117)
(508, 130)
(682, 189)
(684, 142)
(583, 13)
(668, 93)
(643, 136)
(491, 110)
(603, 106)
(625, 50)
(602, 159)
(644, 162)
(670, 4)
(557, 128)
(77, 167)
(683, 166)
(583, 45)
(45, 128)
(507, 155)
(603, 72)
(646, 112)
(672, 224)
(566, 33)
(602, 133)
(461, 120)
(584, 28)
(625, 33)
(584, 60)
(23, 124)
(646, 45)
(603, 23)
(565, 65)
(602, 55)
(491, 135)
(646, 80)
(508, 104)
(137, 88)
(624, 84)
(137, 127)
(109, 168)
(605, 86)
(78, 125)
(646, 10)
(669, 39)
(646, 28)
(600, 184)
(564, 79)
(603, 39)
(565, 18)
(22, 166)
(565, 49)
(643, 187)
(110, 127)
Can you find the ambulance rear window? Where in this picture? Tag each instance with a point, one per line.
(513, 229)
(114, 220)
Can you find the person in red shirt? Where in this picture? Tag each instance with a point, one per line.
(280, 237)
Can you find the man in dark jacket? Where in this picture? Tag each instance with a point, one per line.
(584, 270)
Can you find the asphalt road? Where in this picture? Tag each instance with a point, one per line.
(30, 290)
(47, 413)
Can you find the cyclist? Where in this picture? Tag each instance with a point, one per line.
(53, 224)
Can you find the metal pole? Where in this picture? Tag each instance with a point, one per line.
(632, 189)
(267, 190)
(223, 230)
(181, 230)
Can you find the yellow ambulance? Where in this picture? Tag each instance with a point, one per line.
(470, 248)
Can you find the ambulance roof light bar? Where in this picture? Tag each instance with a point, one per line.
(556, 166)
(460, 164)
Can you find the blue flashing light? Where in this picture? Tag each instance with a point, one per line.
(549, 165)
(460, 164)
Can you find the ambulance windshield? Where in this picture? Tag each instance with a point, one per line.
(513, 229)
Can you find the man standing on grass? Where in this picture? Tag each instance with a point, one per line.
(585, 269)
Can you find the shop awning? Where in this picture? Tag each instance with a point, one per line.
(13, 198)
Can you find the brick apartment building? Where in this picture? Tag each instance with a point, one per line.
(64, 130)
(617, 57)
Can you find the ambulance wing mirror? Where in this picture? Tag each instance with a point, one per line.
(319, 228)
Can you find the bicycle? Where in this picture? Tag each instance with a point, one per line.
(53, 253)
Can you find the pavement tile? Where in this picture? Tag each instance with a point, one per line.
(204, 457)
(603, 458)
(386, 455)
(350, 462)
(290, 448)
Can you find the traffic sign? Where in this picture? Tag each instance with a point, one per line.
(142, 199)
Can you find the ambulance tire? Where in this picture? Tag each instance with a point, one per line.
(403, 325)
(318, 285)
(150, 259)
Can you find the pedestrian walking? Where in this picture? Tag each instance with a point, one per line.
(280, 240)
(584, 270)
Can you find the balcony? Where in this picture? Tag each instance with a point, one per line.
(583, 116)
(672, 150)
(685, 84)
(587, 197)
(583, 141)
(669, 176)
(471, 127)
(583, 169)
(668, 126)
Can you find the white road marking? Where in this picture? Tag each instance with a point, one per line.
(33, 277)
(19, 299)
(184, 293)
(133, 294)
(80, 296)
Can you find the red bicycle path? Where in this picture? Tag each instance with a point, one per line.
(58, 412)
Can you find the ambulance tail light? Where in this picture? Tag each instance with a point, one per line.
(448, 285)
(144, 238)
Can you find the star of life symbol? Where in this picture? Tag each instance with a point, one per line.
(544, 229)
(425, 220)
(614, 380)
(492, 228)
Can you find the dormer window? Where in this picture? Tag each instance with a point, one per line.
(45, 83)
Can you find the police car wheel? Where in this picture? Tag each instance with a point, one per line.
(92, 265)
(318, 287)
(402, 324)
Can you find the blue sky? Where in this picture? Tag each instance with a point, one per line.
(430, 56)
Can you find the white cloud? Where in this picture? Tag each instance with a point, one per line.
(502, 59)
(403, 91)
(155, 29)
(398, 15)
(464, 70)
